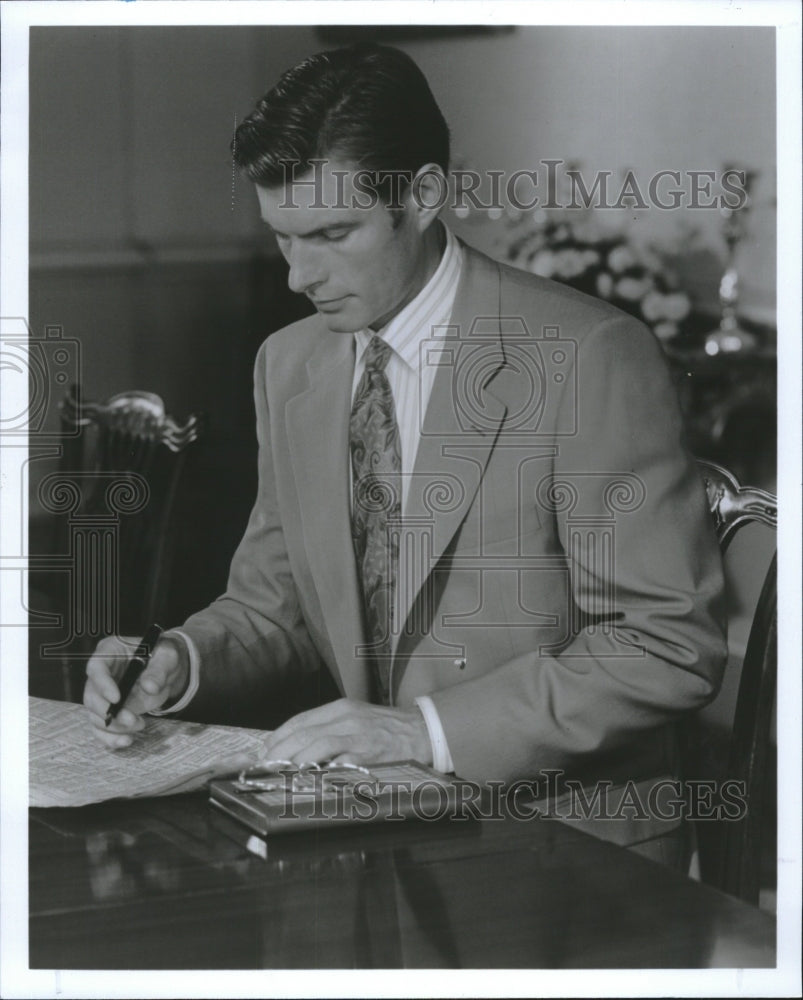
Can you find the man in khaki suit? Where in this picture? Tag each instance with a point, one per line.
(537, 585)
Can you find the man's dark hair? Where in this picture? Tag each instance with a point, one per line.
(365, 104)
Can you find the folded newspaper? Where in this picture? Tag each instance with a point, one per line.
(69, 767)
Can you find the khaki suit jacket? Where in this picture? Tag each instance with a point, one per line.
(560, 590)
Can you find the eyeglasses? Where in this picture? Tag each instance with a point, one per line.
(306, 778)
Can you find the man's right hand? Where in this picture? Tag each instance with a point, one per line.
(163, 680)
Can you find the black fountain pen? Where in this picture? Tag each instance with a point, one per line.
(134, 669)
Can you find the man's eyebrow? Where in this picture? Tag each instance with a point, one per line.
(314, 232)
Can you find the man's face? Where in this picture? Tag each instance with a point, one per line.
(351, 263)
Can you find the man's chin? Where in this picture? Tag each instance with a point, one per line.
(339, 323)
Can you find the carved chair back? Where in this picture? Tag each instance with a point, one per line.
(735, 866)
(114, 496)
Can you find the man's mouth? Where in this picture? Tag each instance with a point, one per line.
(327, 305)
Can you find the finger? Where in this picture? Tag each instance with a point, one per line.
(342, 716)
(110, 740)
(236, 762)
(285, 747)
(127, 721)
(99, 676)
(139, 702)
(298, 724)
(316, 744)
(153, 687)
(322, 715)
(114, 741)
(94, 702)
(332, 746)
(112, 656)
(98, 701)
(158, 675)
(344, 758)
(124, 723)
(98, 720)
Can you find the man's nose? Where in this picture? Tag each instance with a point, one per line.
(306, 269)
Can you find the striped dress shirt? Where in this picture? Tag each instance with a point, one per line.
(410, 369)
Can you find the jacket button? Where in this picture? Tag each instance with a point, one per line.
(460, 663)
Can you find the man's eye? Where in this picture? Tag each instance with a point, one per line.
(336, 236)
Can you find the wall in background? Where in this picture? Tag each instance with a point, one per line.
(130, 129)
(129, 140)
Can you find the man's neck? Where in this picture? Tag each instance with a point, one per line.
(434, 245)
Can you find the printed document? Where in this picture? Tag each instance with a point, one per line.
(69, 767)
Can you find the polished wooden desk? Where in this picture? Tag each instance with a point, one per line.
(159, 884)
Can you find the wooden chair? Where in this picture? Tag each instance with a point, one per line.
(734, 852)
(112, 500)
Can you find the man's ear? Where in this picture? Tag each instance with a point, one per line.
(426, 195)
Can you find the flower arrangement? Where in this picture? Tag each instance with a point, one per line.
(609, 267)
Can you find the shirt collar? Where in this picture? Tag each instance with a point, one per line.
(432, 307)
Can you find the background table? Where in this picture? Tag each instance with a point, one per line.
(157, 884)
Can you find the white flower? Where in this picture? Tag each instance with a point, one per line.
(604, 284)
(543, 263)
(569, 263)
(632, 289)
(620, 258)
(677, 306)
(654, 306)
(665, 330)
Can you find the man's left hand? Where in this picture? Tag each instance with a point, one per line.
(354, 732)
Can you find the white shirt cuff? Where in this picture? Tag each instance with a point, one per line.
(192, 685)
(441, 758)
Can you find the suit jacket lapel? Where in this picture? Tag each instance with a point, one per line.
(318, 434)
(460, 428)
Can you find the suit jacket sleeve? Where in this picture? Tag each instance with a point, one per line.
(666, 653)
(255, 651)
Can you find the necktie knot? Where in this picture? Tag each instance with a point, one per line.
(377, 354)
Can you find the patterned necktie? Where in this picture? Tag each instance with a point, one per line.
(376, 507)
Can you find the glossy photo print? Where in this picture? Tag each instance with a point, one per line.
(401, 501)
